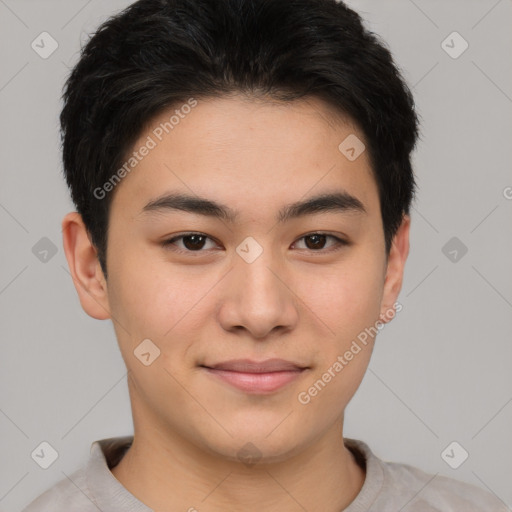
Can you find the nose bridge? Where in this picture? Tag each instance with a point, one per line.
(257, 275)
(257, 297)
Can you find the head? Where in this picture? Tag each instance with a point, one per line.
(279, 133)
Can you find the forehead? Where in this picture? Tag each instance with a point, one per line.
(249, 154)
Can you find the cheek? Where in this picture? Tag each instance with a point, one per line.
(346, 297)
(159, 302)
(144, 292)
(349, 305)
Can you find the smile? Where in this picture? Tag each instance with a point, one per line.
(256, 377)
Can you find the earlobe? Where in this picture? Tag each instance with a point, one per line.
(395, 270)
(84, 267)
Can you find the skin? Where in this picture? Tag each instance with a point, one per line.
(293, 302)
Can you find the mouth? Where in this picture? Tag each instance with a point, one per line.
(256, 377)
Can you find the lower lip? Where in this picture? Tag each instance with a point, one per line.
(256, 382)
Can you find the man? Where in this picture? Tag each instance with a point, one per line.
(241, 171)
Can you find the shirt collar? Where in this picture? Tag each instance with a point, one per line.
(374, 478)
(107, 491)
(111, 495)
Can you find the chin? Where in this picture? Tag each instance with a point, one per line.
(263, 444)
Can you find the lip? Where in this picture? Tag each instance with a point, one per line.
(256, 377)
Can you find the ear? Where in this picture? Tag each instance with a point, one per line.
(395, 270)
(84, 267)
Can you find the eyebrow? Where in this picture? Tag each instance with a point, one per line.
(340, 202)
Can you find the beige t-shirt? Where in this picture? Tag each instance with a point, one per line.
(388, 487)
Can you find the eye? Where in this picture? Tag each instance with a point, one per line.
(192, 242)
(196, 242)
(316, 242)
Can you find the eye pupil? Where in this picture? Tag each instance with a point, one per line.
(197, 241)
(317, 240)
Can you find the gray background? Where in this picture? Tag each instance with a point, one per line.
(441, 370)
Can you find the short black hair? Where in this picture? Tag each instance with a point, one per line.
(159, 53)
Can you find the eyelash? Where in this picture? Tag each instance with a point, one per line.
(340, 243)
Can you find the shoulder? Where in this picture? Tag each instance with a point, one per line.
(92, 487)
(70, 493)
(392, 485)
(435, 493)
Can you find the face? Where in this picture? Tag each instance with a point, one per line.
(249, 278)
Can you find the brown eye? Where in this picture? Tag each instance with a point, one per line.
(316, 242)
(197, 242)
(192, 242)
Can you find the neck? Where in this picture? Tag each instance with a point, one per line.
(160, 469)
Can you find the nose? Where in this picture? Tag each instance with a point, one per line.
(258, 299)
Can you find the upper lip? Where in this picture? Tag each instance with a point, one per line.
(250, 366)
